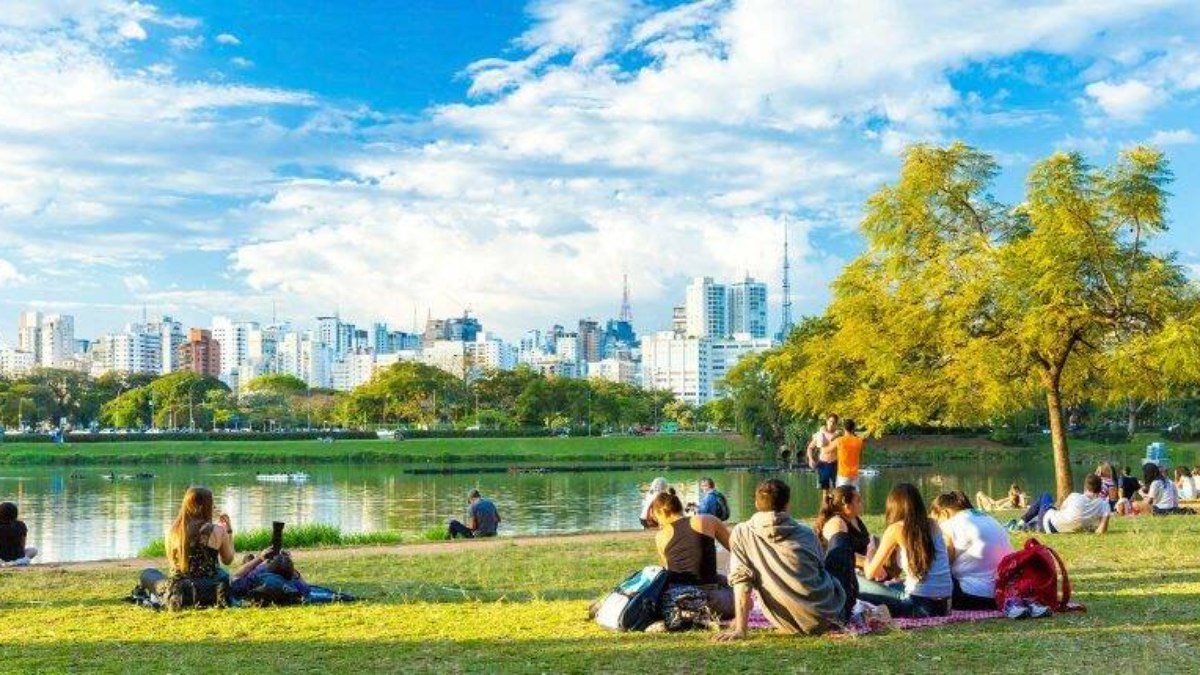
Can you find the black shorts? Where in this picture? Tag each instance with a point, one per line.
(826, 475)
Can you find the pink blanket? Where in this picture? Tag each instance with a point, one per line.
(758, 620)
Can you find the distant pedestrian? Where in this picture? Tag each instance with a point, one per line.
(712, 502)
(822, 454)
(482, 516)
(646, 516)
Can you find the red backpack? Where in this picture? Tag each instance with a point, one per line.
(1032, 574)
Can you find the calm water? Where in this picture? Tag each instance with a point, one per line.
(74, 514)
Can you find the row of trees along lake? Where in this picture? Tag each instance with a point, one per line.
(961, 312)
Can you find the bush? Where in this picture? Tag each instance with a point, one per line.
(1008, 437)
(1103, 436)
(312, 535)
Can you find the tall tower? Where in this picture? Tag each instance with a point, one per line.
(785, 319)
(626, 310)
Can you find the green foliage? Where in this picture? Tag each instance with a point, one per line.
(311, 535)
(963, 310)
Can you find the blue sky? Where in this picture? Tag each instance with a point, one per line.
(516, 158)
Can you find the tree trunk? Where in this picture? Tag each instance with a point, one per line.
(1131, 425)
(1058, 440)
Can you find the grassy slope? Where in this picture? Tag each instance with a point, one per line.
(523, 610)
(615, 449)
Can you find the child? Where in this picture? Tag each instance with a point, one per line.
(13, 551)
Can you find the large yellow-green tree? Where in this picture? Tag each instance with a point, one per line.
(963, 309)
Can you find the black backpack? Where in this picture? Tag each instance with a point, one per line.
(197, 593)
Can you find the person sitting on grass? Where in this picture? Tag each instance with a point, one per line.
(841, 514)
(712, 502)
(1086, 512)
(976, 543)
(780, 558)
(1158, 495)
(1185, 482)
(196, 546)
(1015, 499)
(687, 547)
(911, 534)
(483, 518)
(1108, 483)
(13, 551)
(646, 515)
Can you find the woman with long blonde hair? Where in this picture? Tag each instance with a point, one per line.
(196, 546)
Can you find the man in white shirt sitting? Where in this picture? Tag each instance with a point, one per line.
(1087, 512)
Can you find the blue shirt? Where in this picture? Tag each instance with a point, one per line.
(708, 504)
(486, 518)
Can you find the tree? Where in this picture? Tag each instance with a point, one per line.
(406, 392)
(752, 390)
(962, 310)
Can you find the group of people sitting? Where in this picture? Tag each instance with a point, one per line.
(809, 579)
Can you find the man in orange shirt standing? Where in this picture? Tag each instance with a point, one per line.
(848, 447)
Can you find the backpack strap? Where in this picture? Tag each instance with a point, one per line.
(1066, 580)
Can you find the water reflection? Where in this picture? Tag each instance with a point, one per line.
(86, 517)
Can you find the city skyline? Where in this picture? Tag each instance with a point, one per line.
(518, 157)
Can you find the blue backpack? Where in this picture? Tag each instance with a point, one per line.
(636, 602)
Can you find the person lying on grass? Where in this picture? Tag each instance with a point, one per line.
(780, 559)
(13, 532)
(917, 541)
(1086, 512)
(1015, 499)
(687, 547)
(269, 577)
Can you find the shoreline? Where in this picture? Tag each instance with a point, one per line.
(397, 550)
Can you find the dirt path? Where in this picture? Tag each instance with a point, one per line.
(400, 550)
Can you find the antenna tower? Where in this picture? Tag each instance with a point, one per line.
(626, 310)
(785, 320)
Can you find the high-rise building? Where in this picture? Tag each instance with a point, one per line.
(29, 334)
(706, 310)
(679, 320)
(170, 335)
(57, 340)
(591, 340)
(748, 308)
(306, 356)
(137, 349)
(234, 338)
(200, 353)
(16, 362)
(677, 364)
(331, 334)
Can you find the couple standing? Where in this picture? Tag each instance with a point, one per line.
(835, 454)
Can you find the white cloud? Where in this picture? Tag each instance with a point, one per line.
(185, 42)
(240, 62)
(1172, 137)
(615, 135)
(132, 30)
(136, 283)
(9, 274)
(1128, 101)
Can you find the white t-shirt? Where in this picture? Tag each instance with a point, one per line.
(1187, 487)
(1163, 494)
(980, 542)
(1078, 512)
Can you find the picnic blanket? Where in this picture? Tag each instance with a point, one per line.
(760, 621)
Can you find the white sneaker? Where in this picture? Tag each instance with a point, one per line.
(1038, 610)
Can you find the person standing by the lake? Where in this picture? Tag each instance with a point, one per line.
(13, 532)
(483, 516)
(848, 448)
(822, 457)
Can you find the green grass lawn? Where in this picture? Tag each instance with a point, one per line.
(681, 447)
(523, 609)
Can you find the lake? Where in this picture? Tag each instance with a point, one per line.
(74, 513)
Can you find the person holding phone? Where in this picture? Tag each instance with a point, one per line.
(196, 545)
